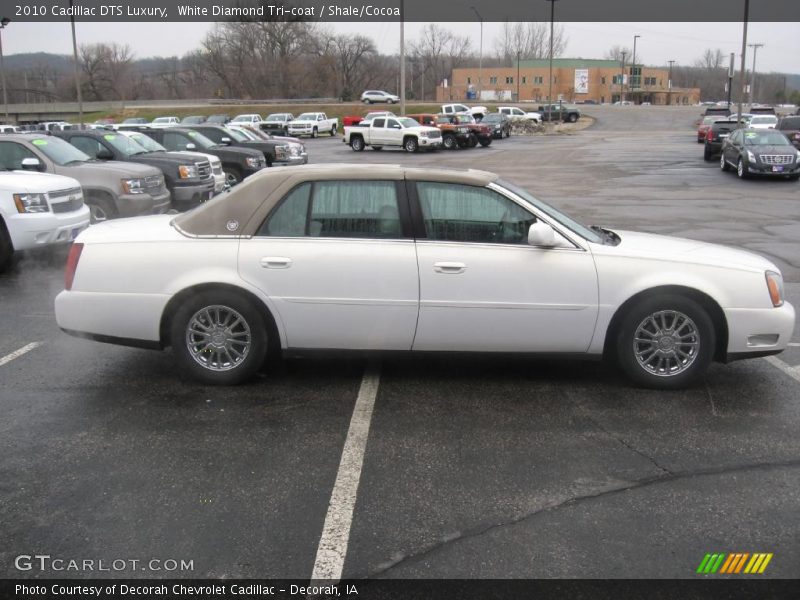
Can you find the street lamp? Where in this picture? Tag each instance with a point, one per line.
(633, 65)
(622, 80)
(755, 48)
(669, 83)
(550, 83)
(3, 23)
(75, 67)
(480, 56)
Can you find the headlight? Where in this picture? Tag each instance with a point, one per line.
(187, 171)
(282, 152)
(751, 156)
(775, 287)
(253, 163)
(133, 186)
(31, 203)
(424, 134)
(295, 149)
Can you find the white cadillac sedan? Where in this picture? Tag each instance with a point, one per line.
(378, 257)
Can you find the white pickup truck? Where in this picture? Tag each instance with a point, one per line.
(400, 132)
(37, 210)
(512, 112)
(312, 124)
(454, 109)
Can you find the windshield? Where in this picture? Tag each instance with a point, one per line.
(307, 117)
(164, 120)
(274, 118)
(135, 121)
(406, 122)
(767, 138)
(239, 137)
(147, 143)
(563, 219)
(124, 144)
(709, 120)
(59, 151)
(790, 123)
(200, 140)
(764, 120)
(246, 133)
(243, 119)
(491, 118)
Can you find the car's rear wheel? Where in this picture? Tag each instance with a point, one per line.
(723, 164)
(357, 144)
(485, 142)
(232, 177)
(333, 131)
(741, 169)
(666, 342)
(572, 118)
(219, 338)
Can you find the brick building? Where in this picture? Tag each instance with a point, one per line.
(574, 80)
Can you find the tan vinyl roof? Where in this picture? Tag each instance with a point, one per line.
(242, 210)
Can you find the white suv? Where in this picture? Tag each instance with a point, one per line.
(38, 209)
(371, 96)
(247, 120)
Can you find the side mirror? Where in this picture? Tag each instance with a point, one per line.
(225, 140)
(190, 146)
(31, 164)
(541, 234)
(104, 154)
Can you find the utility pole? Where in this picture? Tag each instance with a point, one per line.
(480, 56)
(75, 64)
(550, 83)
(622, 80)
(744, 53)
(402, 60)
(633, 66)
(755, 48)
(3, 23)
(731, 71)
(518, 56)
(669, 83)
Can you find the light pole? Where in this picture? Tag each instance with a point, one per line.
(518, 56)
(669, 83)
(3, 23)
(480, 55)
(622, 80)
(633, 65)
(550, 82)
(75, 64)
(755, 48)
(744, 52)
(402, 60)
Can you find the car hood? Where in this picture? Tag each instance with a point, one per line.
(117, 167)
(771, 149)
(661, 247)
(22, 182)
(151, 228)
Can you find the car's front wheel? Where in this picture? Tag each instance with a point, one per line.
(666, 342)
(357, 144)
(411, 145)
(723, 164)
(741, 169)
(219, 338)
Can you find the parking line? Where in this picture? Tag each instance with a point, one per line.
(793, 344)
(788, 369)
(17, 353)
(332, 547)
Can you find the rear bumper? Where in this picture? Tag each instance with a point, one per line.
(759, 331)
(36, 230)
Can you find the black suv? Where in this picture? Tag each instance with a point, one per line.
(760, 152)
(188, 179)
(237, 163)
(273, 150)
(716, 134)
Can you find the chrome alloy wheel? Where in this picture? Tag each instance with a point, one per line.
(218, 338)
(666, 343)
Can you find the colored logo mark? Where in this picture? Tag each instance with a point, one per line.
(735, 563)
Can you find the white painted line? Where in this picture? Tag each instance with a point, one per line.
(17, 353)
(332, 547)
(789, 370)
(793, 344)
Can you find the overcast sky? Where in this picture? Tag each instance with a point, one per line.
(659, 42)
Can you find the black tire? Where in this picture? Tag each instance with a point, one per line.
(449, 142)
(708, 156)
(6, 248)
(100, 209)
(314, 132)
(473, 140)
(463, 143)
(699, 329)
(572, 118)
(285, 131)
(367, 101)
(232, 176)
(410, 144)
(485, 142)
(741, 169)
(252, 335)
(357, 143)
(723, 165)
(377, 148)
(333, 131)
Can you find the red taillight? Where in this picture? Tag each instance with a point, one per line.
(72, 265)
(710, 135)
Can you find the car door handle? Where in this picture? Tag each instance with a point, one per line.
(276, 262)
(450, 268)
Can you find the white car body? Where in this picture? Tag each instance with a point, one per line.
(312, 124)
(322, 292)
(516, 113)
(371, 96)
(58, 218)
(9, 129)
(247, 119)
(763, 122)
(390, 132)
(161, 122)
(454, 109)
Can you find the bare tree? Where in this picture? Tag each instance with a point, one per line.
(711, 59)
(616, 52)
(106, 69)
(528, 41)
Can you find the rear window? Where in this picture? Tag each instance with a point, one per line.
(790, 123)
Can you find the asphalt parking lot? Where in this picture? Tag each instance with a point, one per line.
(472, 467)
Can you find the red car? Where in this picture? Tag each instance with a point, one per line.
(705, 125)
